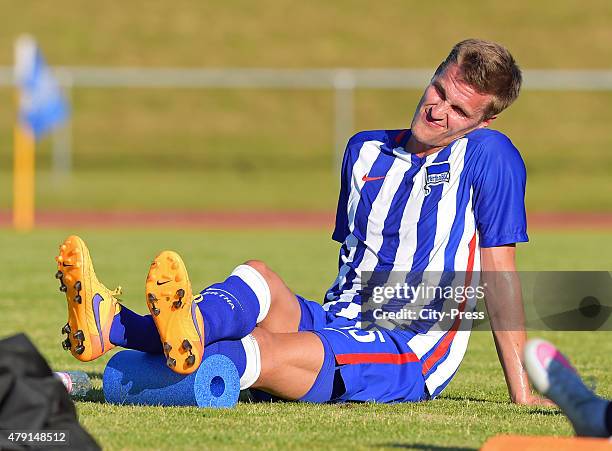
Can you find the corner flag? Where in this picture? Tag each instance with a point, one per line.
(41, 107)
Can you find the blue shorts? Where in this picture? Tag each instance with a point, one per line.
(361, 365)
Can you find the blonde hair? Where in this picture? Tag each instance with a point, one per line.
(490, 69)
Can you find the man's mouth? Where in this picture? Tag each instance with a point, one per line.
(427, 118)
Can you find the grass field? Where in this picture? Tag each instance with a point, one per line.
(227, 149)
(234, 149)
(475, 405)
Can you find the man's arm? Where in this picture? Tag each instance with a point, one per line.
(505, 308)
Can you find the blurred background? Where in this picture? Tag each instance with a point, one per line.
(167, 141)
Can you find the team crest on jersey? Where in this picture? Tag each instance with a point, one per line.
(436, 174)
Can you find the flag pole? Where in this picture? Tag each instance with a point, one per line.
(23, 149)
(23, 178)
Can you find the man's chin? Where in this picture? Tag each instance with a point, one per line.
(424, 140)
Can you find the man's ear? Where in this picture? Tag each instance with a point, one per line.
(486, 122)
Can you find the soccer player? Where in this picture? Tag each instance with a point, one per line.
(445, 195)
(553, 376)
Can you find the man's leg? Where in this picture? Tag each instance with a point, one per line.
(91, 303)
(284, 314)
(291, 364)
(229, 310)
(337, 363)
(252, 295)
(133, 331)
(284, 365)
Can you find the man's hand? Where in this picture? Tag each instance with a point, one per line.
(505, 307)
(534, 400)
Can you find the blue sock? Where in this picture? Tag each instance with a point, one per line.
(232, 308)
(133, 331)
(243, 353)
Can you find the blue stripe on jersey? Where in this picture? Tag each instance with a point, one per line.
(458, 226)
(335, 290)
(442, 386)
(393, 222)
(425, 356)
(351, 154)
(426, 234)
(369, 192)
(440, 360)
(437, 304)
(426, 227)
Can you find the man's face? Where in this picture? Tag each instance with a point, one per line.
(449, 109)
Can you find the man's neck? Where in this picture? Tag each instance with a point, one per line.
(419, 149)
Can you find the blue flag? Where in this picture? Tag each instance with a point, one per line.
(42, 105)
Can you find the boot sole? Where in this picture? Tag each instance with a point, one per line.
(178, 319)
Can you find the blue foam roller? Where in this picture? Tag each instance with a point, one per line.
(133, 377)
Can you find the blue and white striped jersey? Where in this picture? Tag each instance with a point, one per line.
(399, 212)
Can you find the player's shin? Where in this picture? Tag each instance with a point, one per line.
(133, 331)
(232, 308)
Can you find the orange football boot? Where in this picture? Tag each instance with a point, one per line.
(91, 306)
(178, 319)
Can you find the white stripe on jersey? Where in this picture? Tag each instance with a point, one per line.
(380, 211)
(376, 223)
(447, 207)
(421, 344)
(367, 156)
(351, 311)
(469, 228)
(351, 244)
(346, 298)
(446, 370)
(408, 227)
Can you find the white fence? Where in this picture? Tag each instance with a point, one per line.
(342, 82)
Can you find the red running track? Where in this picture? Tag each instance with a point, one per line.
(264, 219)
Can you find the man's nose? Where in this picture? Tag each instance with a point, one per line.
(438, 111)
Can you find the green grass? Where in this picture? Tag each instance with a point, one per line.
(226, 149)
(475, 405)
(282, 33)
(267, 150)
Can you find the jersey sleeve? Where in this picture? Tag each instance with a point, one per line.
(341, 229)
(499, 194)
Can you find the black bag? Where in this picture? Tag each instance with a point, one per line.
(31, 398)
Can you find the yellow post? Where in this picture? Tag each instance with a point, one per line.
(23, 178)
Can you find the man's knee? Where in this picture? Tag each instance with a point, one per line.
(263, 269)
(285, 310)
(273, 280)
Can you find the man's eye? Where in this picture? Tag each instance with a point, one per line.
(459, 111)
